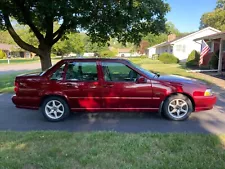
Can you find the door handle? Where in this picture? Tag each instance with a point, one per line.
(108, 85)
(69, 85)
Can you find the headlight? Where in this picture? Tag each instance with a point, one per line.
(208, 92)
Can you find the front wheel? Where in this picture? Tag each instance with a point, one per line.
(177, 107)
(55, 109)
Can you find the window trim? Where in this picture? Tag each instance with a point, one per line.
(211, 47)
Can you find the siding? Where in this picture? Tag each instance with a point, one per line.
(190, 44)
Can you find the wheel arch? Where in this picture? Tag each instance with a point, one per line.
(53, 95)
(177, 93)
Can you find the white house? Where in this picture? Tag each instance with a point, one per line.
(181, 47)
(125, 52)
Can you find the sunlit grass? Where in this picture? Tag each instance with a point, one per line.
(110, 150)
(7, 81)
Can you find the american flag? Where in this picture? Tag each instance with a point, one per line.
(204, 50)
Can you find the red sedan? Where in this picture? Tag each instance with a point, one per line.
(109, 85)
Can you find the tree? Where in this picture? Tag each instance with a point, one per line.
(94, 47)
(6, 38)
(215, 18)
(72, 43)
(126, 20)
(156, 39)
(220, 4)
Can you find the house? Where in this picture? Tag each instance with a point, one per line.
(181, 47)
(15, 51)
(216, 42)
(124, 52)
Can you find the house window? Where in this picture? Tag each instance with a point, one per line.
(211, 45)
(171, 49)
(223, 47)
(180, 48)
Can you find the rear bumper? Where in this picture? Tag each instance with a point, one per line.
(26, 102)
(204, 102)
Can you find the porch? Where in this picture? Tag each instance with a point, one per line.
(216, 43)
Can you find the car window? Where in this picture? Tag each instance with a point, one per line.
(58, 74)
(118, 72)
(82, 71)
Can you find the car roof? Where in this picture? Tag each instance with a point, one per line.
(96, 59)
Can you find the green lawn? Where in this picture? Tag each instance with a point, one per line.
(23, 60)
(7, 81)
(110, 150)
(18, 61)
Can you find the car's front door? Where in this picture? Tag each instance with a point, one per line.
(121, 90)
(81, 85)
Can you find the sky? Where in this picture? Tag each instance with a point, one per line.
(186, 14)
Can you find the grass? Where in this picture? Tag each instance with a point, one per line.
(175, 69)
(23, 61)
(36, 150)
(7, 81)
(18, 61)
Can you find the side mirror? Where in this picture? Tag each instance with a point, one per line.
(141, 79)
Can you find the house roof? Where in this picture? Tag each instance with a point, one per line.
(7, 47)
(124, 50)
(213, 36)
(186, 36)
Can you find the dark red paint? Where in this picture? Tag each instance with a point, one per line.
(147, 94)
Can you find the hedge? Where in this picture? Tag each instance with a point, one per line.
(193, 59)
(168, 58)
(2, 55)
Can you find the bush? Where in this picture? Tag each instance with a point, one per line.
(143, 56)
(107, 54)
(214, 61)
(2, 55)
(193, 59)
(168, 58)
(53, 55)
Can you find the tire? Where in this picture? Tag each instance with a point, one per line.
(177, 107)
(55, 109)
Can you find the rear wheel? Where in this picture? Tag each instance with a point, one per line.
(177, 107)
(55, 109)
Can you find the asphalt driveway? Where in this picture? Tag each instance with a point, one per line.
(15, 119)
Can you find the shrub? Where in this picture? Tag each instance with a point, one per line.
(193, 59)
(168, 58)
(2, 55)
(143, 56)
(107, 54)
(214, 61)
(53, 55)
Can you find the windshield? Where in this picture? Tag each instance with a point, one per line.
(146, 72)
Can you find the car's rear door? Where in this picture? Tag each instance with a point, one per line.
(120, 89)
(81, 85)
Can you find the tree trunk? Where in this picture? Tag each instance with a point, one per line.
(45, 58)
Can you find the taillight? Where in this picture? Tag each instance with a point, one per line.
(16, 87)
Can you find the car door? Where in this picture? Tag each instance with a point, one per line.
(81, 85)
(121, 90)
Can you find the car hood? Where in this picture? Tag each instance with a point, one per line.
(180, 79)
